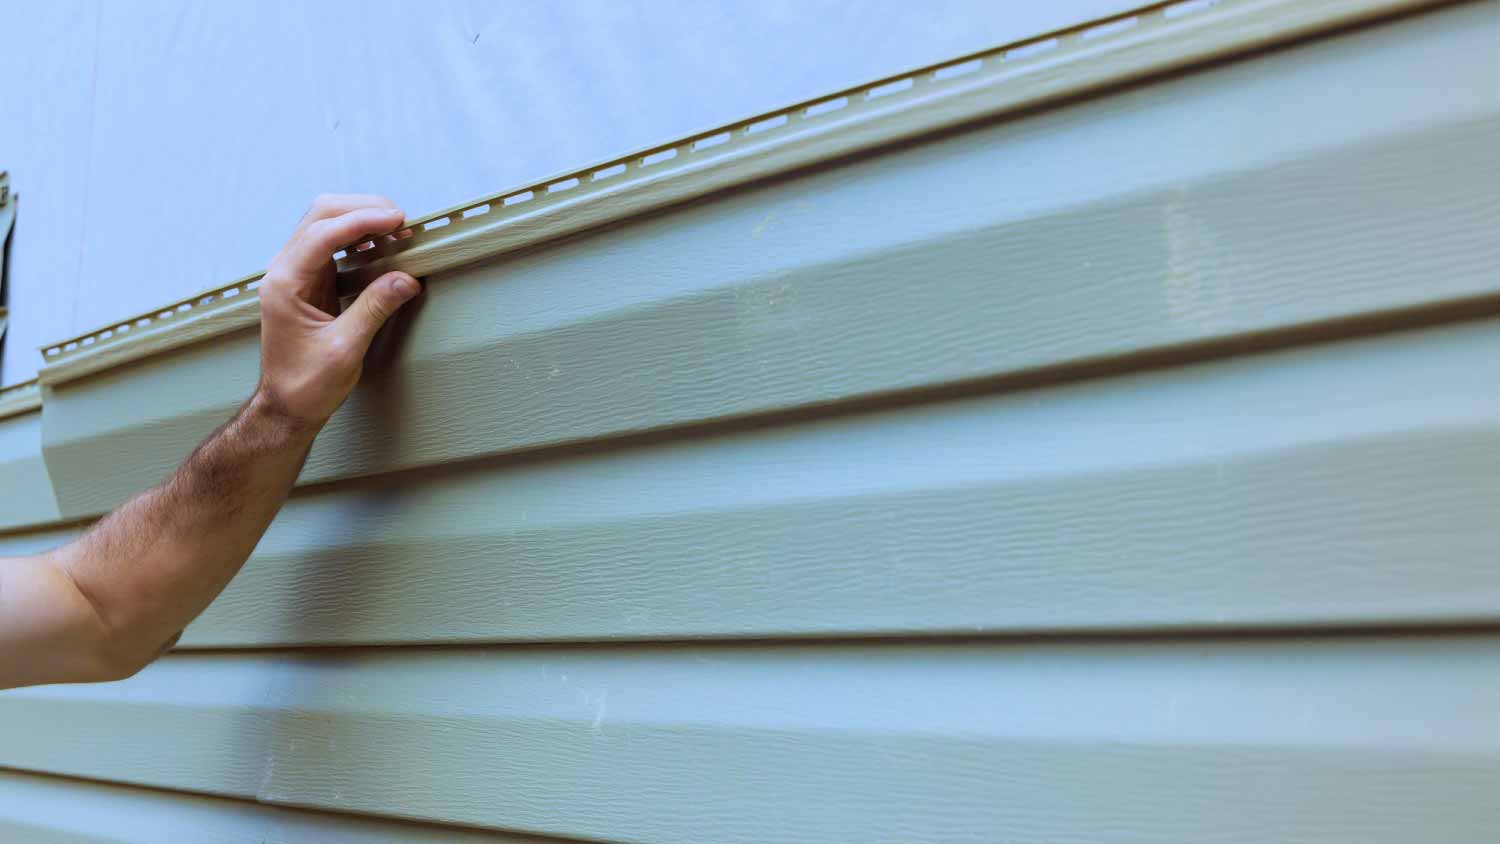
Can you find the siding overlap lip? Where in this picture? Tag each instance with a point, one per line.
(20, 398)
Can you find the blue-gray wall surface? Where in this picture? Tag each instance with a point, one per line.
(1122, 472)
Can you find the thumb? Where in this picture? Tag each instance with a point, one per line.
(375, 304)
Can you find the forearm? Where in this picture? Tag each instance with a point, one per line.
(154, 564)
(105, 605)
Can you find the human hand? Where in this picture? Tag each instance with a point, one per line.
(310, 354)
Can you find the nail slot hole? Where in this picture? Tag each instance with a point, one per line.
(960, 69)
(565, 184)
(53, 351)
(658, 157)
(363, 247)
(341, 255)
(608, 172)
(1110, 28)
(185, 306)
(254, 285)
(70, 347)
(476, 211)
(889, 88)
(435, 224)
(768, 123)
(123, 328)
(206, 299)
(106, 334)
(231, 292)
(1031, 49)
(164, 315)
(710, 141)
(143, 321)
(826, 106)
(518, 197)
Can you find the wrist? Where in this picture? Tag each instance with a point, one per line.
(269, 415)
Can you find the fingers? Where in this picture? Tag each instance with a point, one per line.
(312, 249)
(330, 205)
(376, 303)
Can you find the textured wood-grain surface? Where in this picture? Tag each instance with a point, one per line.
(1166, 215)
(1287, 488)
(1284, 739)
(49, 810)
(25, 488)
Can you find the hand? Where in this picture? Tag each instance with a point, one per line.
(103, 606)
(310, 354)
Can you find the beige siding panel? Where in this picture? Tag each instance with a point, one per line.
(50, 810)
(1276, 739)
(1169, 214)
(1343, 483)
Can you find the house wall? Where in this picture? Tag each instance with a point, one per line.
(1124, 471)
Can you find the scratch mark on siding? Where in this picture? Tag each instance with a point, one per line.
(767, 222)
(600, 709)
(1193, 293)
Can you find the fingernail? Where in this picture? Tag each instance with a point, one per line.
(405, 286)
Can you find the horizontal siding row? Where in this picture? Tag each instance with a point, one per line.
(1141, 501)
(1167, 215)
(1275, 739)
(932, 496)
(50, 810)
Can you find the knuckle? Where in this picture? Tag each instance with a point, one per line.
(321, 233)
(271, 286)
(273, 304)
(278, 276)
(375, 311)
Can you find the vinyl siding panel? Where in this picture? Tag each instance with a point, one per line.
(1167, 215)
(50, 810)
(1123, 471)
(1279, 739)
(1121, 502)
(26, 496)
(35, 539)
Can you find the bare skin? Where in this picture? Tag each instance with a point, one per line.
(107, 604)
